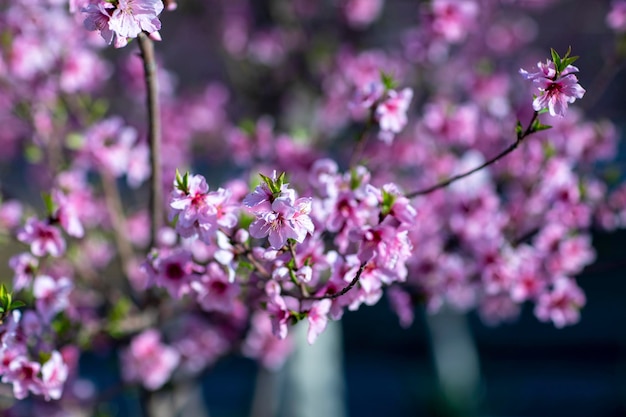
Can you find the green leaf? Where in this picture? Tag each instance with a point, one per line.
(538, 126)
(569, 61)
(388, 200)
(182, 181)
(17, 304)
(388, 81)
(293, 277)
(44, 356)
(612, 174)
(120, 309)
(245, 220)
(519, 129)
(61, 324)
(355, 180)
(280, 181)
(297, 316)
(245, 265)
(98, 109)
(555, 58)
(33, 154)
(74, 141)
(48, 203)
(269, 182)
(247, 126)
(542, 127)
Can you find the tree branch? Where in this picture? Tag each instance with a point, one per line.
(344, 290)
(154, 134)
(530, 129)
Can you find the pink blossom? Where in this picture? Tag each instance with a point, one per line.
(108, 144)
(284, 219)
(318, 319)
(98, 19)
(260, 200)
(54, 374)
(361, 13)
(386, 245)
(616, 18)
(562, 305)
(68, 211)
(123, 19)
(82, 71)
(214, 290)
(226, 214)
(24, 266)
(131, 17)
(193, 208)
(277, 310)
(149, 361)
(402, 305)
(138, 165)
(391, 113)
(556, 90)
(173, 271)
(496, 309)
(365, 97)
(528, 282)
(10, 214)
(51, 295)
(546, 70)
(573, 255)
(453, 19)
(200, 344)
(43, 238)
(261, 344)
(557, 94)
(24, 375)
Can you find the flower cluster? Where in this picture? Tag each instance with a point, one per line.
(121, 20)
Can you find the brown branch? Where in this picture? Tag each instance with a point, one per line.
(344, 290)
(520, 137)
(118, 219)
(154, 134)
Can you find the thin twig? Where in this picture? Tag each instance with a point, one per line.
(344, 290)
(154, 134)
(520, 137)
(118, 219)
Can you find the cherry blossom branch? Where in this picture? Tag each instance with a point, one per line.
(154, 134)
(530, 129)
(345, 289)
(246, 253)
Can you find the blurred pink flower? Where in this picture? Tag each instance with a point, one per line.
(149, 361)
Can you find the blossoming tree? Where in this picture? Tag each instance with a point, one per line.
(430, 171)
